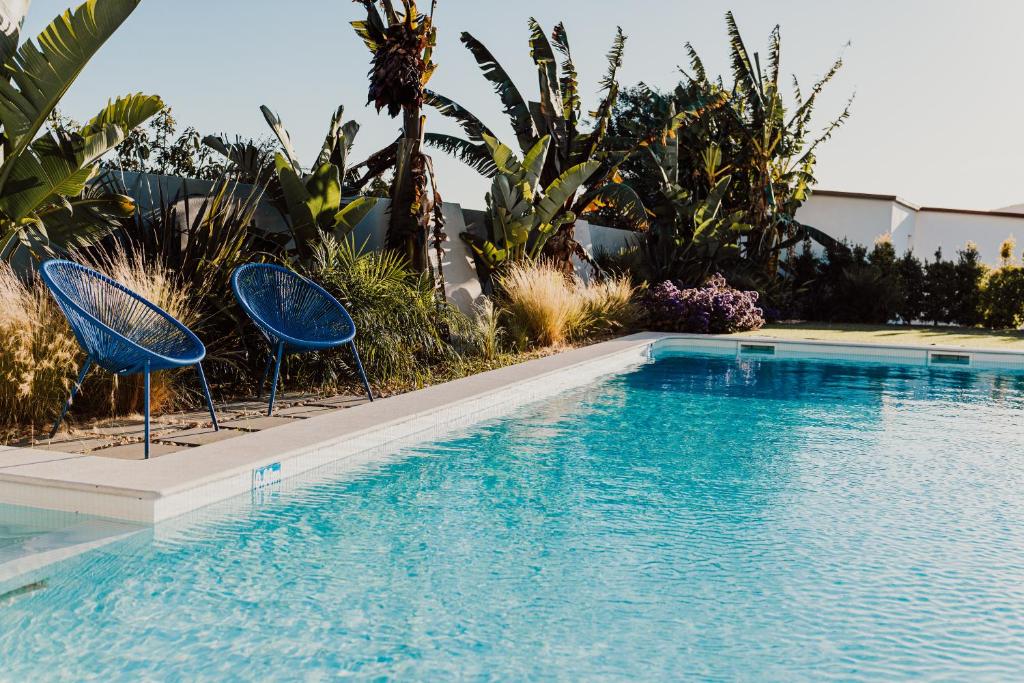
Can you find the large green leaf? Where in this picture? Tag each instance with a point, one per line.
(346, 220)
(533, 162)
(547, 71)
(559, 192)
(54, 167)
(42, 70)
(298, 199)
(514, 104)
(274, 121)
(504, 158)
(569, 81)
(128, 112)
(324, 188)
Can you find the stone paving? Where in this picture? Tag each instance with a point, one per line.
(174, 432)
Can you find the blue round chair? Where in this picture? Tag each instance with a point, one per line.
(294, 314)
(120, 331)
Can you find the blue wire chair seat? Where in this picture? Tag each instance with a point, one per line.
(294, 314)
(120, 331)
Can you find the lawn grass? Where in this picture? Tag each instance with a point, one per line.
(922, 335)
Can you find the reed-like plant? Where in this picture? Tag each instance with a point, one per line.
(38, 353)
(547, 308)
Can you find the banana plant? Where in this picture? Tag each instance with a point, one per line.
(44, 205)
(316, 201)
(774, 148)
(557, 115)
(691, 236)
(522, 213)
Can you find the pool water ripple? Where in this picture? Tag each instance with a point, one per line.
(699, 518)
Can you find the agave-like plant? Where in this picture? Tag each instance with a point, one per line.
(556, 116)
(317, 200)
(43, 176)
(522, 215)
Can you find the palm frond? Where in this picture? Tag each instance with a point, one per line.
(569, 81)
(42, 70)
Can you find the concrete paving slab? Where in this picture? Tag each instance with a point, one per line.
(257, 423)
(135, 451)
(198, 436)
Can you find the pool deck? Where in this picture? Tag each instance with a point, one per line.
(150, 491)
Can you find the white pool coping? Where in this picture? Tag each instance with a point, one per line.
(150, 491)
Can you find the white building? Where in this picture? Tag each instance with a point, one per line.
(863, 218)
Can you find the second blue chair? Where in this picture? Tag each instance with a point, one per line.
(294, 314)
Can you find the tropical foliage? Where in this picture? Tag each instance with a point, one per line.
(44, 174)
(314, 201)
(557, 116)
(402, 44)
(766, 145)
(521, 214)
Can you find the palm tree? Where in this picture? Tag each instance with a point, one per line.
(402, 44)
(44, 205)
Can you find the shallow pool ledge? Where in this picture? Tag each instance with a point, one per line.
(150, 491)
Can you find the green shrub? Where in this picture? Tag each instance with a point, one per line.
(911, 279)
(1002, 299)
(939, 289)
(969, 274)
(405, 331)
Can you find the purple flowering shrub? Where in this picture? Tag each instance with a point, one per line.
(712, 308)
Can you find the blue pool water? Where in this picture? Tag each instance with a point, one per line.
(700, 518)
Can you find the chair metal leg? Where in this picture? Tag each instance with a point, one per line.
(209, 399)
(266, 371)
(362, 373)
(277, 373)
(146, 453)
(74, 390)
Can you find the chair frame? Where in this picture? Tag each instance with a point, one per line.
(152, 362)
(282, 343)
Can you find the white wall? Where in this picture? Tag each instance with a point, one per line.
(861, 219)
(951, 231)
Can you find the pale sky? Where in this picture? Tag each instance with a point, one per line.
(937, 119)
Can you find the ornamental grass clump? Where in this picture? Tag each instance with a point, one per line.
(542, 305)
(713, 308)
(103, 392)
(547, 308)
(38, 353)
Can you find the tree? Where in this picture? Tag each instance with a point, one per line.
(555, 115)
(44, 205)
(402, 44)
(765, 145)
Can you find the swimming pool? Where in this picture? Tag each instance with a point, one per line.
(699, 517)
